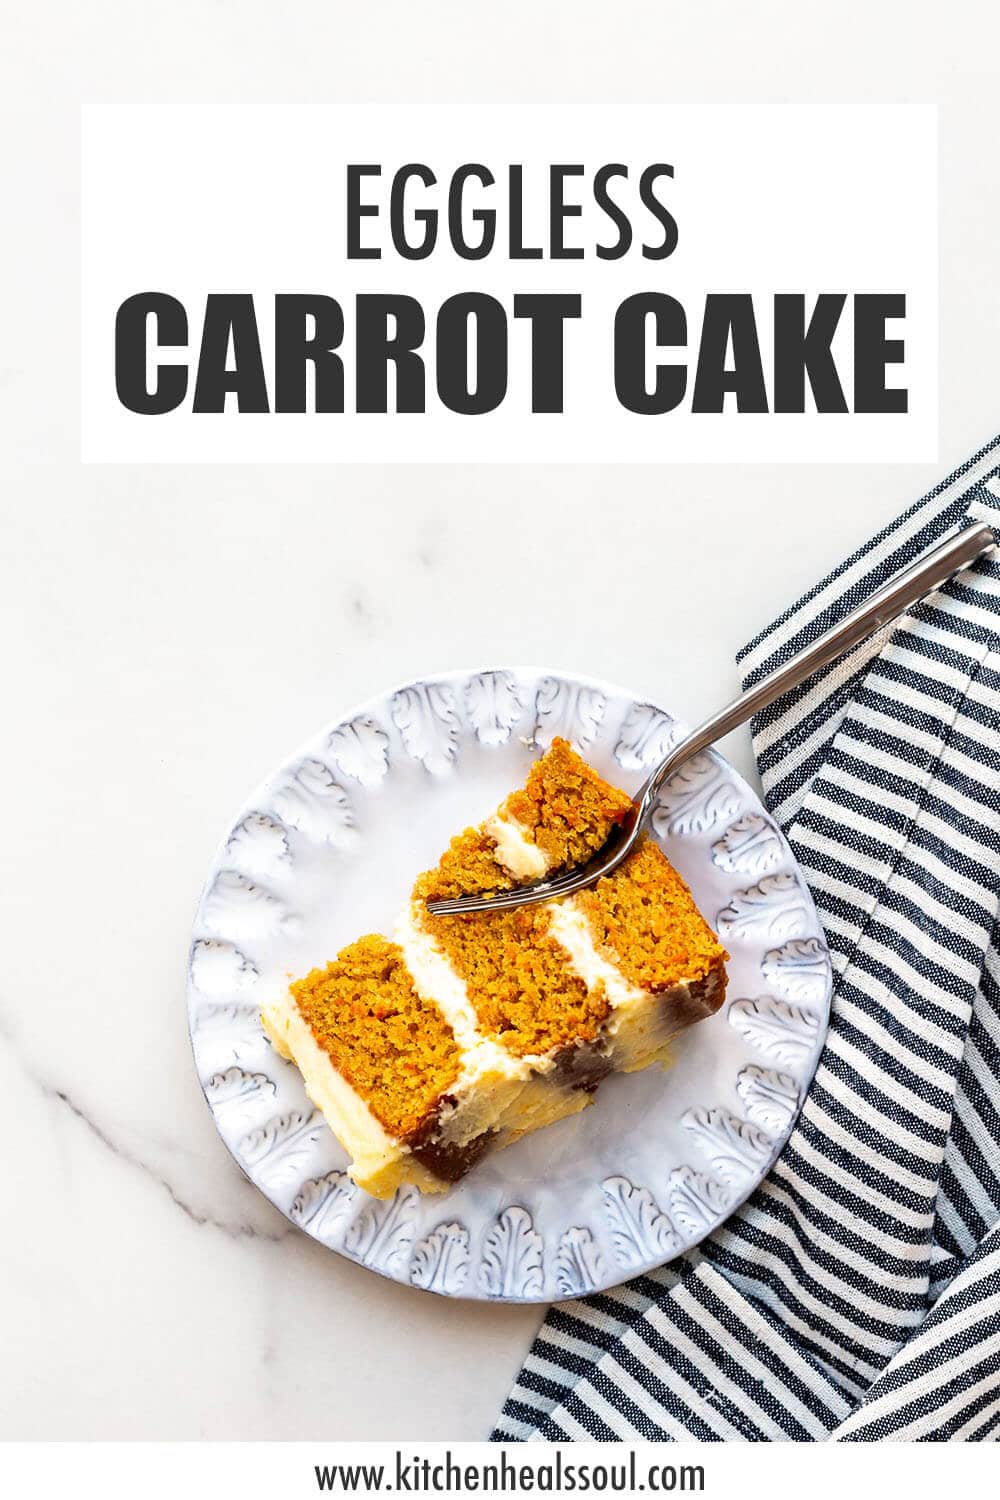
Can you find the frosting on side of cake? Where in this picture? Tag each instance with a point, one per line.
(380, 1163)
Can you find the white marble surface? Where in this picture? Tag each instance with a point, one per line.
(170, 633)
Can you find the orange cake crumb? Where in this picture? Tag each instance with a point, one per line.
(518, 979)
(467, 867)
(643, 917)
(396, 1050)
(565, 807)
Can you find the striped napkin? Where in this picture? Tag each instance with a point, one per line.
(856, 1296)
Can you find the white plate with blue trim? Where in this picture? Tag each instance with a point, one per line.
(327, 849)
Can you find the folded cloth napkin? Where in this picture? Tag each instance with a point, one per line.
(856, 1295)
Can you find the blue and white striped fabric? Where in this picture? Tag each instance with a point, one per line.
(856, 1296)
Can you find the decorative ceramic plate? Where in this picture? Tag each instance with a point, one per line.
(327, 849)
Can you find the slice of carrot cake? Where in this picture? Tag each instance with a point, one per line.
(466, 1032)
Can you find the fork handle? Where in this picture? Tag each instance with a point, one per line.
(928, 573)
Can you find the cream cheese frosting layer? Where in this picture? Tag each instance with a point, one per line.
(519, 855)
(571, 930)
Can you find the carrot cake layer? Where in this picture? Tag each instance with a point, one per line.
(519, 979)
(644, 920)
(394, 1049)
(562, 814)
(466, 1032)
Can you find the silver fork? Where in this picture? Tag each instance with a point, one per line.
(923, 577)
